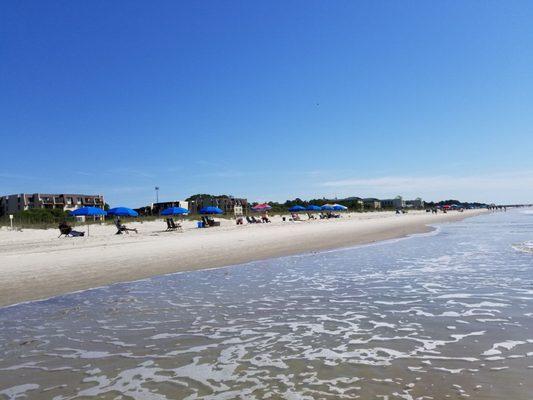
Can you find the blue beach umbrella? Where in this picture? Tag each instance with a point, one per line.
(211, 210)
(338, 207)
(296, 209)
(312, 207)
(174, 211)
(123, 212)
(88, 212)
(328, 208)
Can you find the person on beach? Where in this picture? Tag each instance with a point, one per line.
(67, 230)
(122, 228)
(264, 217)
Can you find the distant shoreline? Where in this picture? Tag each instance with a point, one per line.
(35, 264)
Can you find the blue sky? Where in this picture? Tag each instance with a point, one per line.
(268, 100)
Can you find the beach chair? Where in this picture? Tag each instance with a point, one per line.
(250, 220)
(174, 225)
(64, 229)
(211, 222)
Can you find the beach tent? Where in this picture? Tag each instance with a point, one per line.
(174, 211)
(211, 210)
(123, 212)
(312, 207)
(88, 212)
(296, 209)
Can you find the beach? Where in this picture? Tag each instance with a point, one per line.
(36, 264)
(446, 315)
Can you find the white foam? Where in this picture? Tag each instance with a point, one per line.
(19, 391)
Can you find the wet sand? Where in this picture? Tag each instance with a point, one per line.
(35, 264)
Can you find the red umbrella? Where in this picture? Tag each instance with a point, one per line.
(261, 207)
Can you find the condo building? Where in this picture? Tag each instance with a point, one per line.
(11, 204)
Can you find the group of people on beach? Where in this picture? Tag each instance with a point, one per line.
(67, 230)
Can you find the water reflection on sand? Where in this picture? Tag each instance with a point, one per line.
(440, 316)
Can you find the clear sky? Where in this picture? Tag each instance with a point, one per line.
(268, 100)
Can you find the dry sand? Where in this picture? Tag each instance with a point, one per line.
(35, 264)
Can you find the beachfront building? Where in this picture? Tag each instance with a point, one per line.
(417, 203)
(224, 202)
(372, 203)
(397, 202)
(156, 208)
(355, 203)
(14, 203)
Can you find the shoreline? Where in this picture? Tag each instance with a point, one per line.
(37, 266)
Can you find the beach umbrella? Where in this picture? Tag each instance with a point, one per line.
(88, 212)
(296, 209)
(328, 207)
(174, 211)
(122, 212)
(211, 210)
(312, 207)
(261, 207)
(339, 207)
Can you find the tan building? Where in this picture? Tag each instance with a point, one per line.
(225, 203)
(14, 203)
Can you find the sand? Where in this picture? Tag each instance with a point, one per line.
(35, 264)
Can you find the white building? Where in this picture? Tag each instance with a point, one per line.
(397, 202)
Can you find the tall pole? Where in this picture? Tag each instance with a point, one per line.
(157, 194)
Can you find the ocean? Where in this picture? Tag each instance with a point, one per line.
(445, 315)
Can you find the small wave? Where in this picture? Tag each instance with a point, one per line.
(525, 247)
